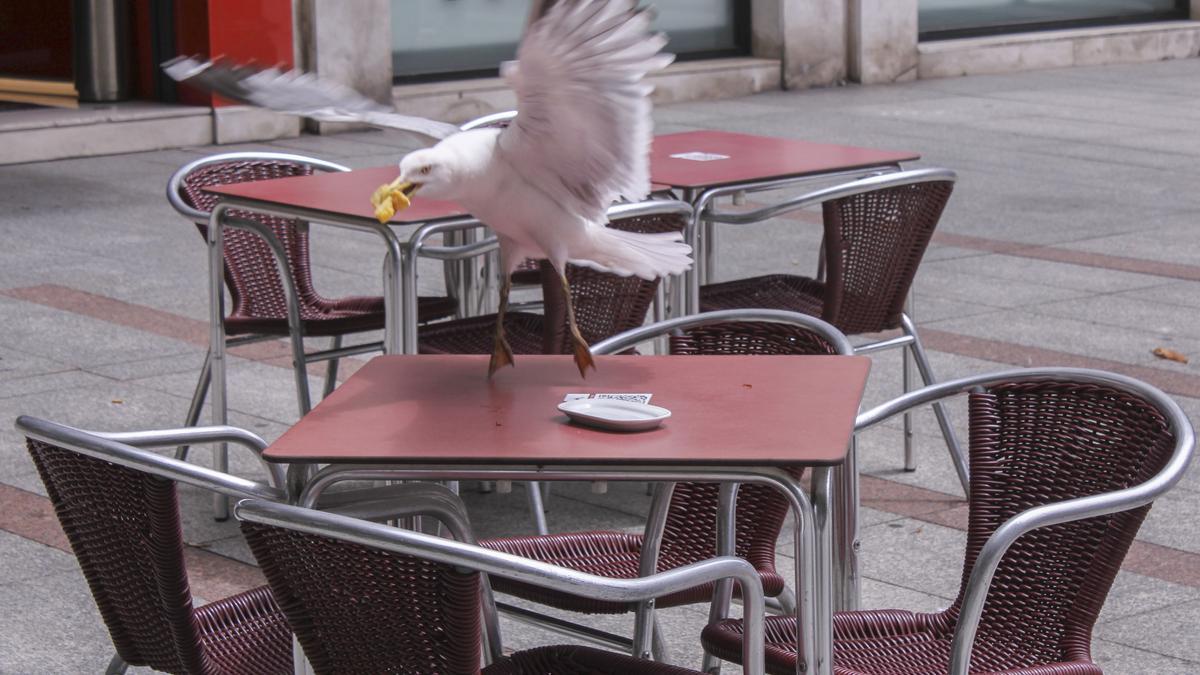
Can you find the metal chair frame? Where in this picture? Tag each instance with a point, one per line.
(300, 358)
(909, 338)
(464, 554)
(1080, 508)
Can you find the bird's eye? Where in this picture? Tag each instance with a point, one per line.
(425, 170)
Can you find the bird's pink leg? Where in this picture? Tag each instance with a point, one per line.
(502, 354)
(583, 354)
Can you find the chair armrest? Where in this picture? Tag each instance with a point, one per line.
(391, 502)
(123, 454)
(561, 579)
(417, 246)
(159, 438)
(1042, 516)
(622, 341)
(936, 392)
(460, 252)
(841, 191)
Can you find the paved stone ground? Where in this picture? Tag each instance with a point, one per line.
(1069, 241)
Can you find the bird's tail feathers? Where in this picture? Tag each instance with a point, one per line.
(648, 256)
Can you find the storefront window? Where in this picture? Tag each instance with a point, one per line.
(438, 39)
(961, 18)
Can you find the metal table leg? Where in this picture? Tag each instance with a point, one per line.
(216, 345)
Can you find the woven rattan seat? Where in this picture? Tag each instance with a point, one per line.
(1031, 444)
(605, 304)
(573, 660)
(474, 335)
(124, 528)
(357, 609)
(875, 233)
(773, 291)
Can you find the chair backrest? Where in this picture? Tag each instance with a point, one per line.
(606, 303)
(874, 242)
(690, 531)
(117, 505)
(1032, 444)
(250, 269)
(124, 529)
(357, 609)
(761, 510)
(362, 584)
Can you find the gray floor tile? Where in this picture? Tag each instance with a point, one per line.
(914, 555)
(1118, 658)
(28, 561)
(1167, 631)
(1170, 521)
(52, 626)
(1136, 310)
(1073, 336)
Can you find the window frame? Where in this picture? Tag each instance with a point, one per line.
(1181, 11)
(741, 37)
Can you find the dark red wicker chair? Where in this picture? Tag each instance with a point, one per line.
(251, 273)
(1037, 440)
(690, 533)
(259, 297)
(362, 609)
(876, 232)
(123, 526)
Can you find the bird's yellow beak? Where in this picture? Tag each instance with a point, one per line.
(392, 197)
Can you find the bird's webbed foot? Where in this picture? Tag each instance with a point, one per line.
(502, 353)
(583, 355)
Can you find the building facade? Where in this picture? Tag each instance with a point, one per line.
(439, 58)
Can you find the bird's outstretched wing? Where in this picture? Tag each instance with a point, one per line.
(297, 93)
(583, 127)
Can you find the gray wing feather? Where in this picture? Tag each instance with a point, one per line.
(584, 127)
(297, 93)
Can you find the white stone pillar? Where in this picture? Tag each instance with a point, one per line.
(348, 42)
(766, 30)
(814, 42)
(883, 40)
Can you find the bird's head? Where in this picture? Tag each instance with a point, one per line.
(431, 170)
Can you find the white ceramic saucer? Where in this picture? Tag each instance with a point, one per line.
(614, 414)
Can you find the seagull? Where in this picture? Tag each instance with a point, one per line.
(580, 141)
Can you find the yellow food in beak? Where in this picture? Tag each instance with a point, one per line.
(392, 197)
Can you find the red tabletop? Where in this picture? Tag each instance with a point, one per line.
(343, 193)
(700, 159)
(726, 410)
